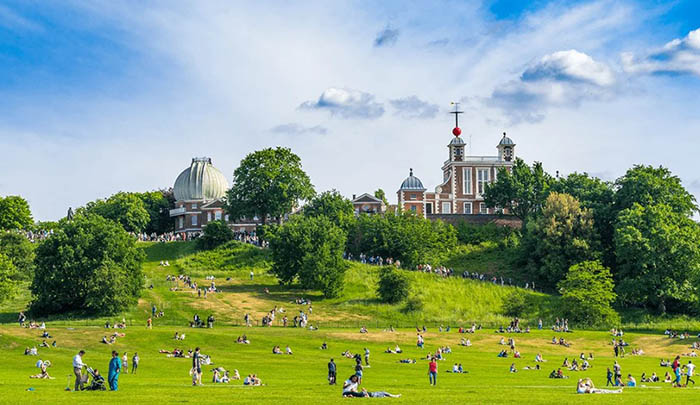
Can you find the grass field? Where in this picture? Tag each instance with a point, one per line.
(301, 378)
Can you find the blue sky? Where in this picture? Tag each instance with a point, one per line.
(119, 95)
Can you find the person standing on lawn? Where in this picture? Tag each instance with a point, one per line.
(196, 367)
(134, 363)
(690, 368)
(432, 371)
(77, 369)
(331, 372)
(115, 368)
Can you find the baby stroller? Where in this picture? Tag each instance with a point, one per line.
(97, 382)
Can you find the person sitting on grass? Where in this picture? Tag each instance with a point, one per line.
(566, 363)
(236, 376)
(664, 363)
(397, 349)
(388, 350)
(512, 368)
(654, 377)
(503, 353)
(324, 346)
(44, 344)
(363, 330)
(560, 374)
(350, 387)
(574, 365)
(289, 350)
(276, 350)
(585, 386)
(43, 374)
(539, 359)
(631, 382)
(667, 377)
(465, 342)
(105, 341)
(379, 394)
(516, 354)
(644, 378)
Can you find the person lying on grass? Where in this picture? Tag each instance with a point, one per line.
(243, 340)
(379, 394)
(408, 361)
(585, 386)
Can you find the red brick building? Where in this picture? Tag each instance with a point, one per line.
(464, 179)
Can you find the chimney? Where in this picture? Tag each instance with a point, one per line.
(353, 196)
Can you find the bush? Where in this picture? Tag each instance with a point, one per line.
(413, 304)
(393, 286)
(91, 265)
(473, 234)
(216, 233)
(310, 250)
(516, 304)
(587, 295)
(8, 285)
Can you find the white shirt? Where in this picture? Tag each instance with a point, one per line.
(350, 386)
(77, 361)
(691, 369)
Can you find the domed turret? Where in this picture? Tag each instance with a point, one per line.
(412, 183)
(200, 181)
(506, 149)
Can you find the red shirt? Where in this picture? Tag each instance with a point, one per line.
(675, 365)
(433, 366)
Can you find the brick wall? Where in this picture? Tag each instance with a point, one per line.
(477, 219)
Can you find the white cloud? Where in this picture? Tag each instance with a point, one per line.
(679, 56)
(347, 103)
(570, 66)
(413, 107)
(386, 37)
(293, 128)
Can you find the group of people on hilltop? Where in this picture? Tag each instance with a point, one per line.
(33, 236)
(372, 259)
(439, 270)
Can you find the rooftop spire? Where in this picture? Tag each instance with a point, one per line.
(456, 131)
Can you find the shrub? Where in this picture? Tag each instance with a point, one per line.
(8, 285)
(516, 304)
(474, 234)
(393, 286)
(413, 304)
(216, 233)
(20, 251)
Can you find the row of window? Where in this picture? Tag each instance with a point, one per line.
(447, 208)
(194, 219)
(482, 178)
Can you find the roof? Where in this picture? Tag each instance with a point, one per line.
(506, 141)
(200, 181)
(412, 183)
(367, 198)
(457, 141)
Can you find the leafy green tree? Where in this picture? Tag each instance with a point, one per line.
(90, 265)
(588, 293)
(126, 209)
(215, 234)
(521, 191)
(658, 257)
(333, 206)
(597, 196)
(516, 304)
(409, 238)
(393, 285)
(15, 213)
(20, 251)
(8, 284)
(268, 183)
(158, 205)
(382, 196)
(557, 239)
(646, 185)
(310, 250)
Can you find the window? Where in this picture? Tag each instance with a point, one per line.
(446, 208)
(208, 216)
(429, 208)
(467, 180)
(194, 206)
(194, 220)
(226, 218)
(467, 208)
(482, 208)
(413, 197)
(482, 176)
(413, 208)
(217, 216)
(181, 222)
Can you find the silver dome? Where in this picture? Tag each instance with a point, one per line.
(412, 183)
(506, 141)
(200, 181)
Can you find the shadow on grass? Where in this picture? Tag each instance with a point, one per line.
(280, 293)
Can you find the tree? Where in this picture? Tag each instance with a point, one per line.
(598, 197)
(557, 239)
(215, 234)
(8, 284)
(522, 190)
(310, 250)
(658, 257)
(587, 294)
(158, 205)
(20, 251)
(646, 185)
(382, 196)
(333, 206)
(393, 286)
(268, 183)
(411, 239)
(126, 209)
(14, 213)
(89, 264)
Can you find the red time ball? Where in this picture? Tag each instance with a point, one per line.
(456, 131)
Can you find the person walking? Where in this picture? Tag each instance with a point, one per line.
(366, 357)
(331, 372)
(432, 371)
(78, 370)
(690, 369)
(115, 368)
(134, 363)
(125, 363)
(609, 377)
(676, 367)
(196, 367)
